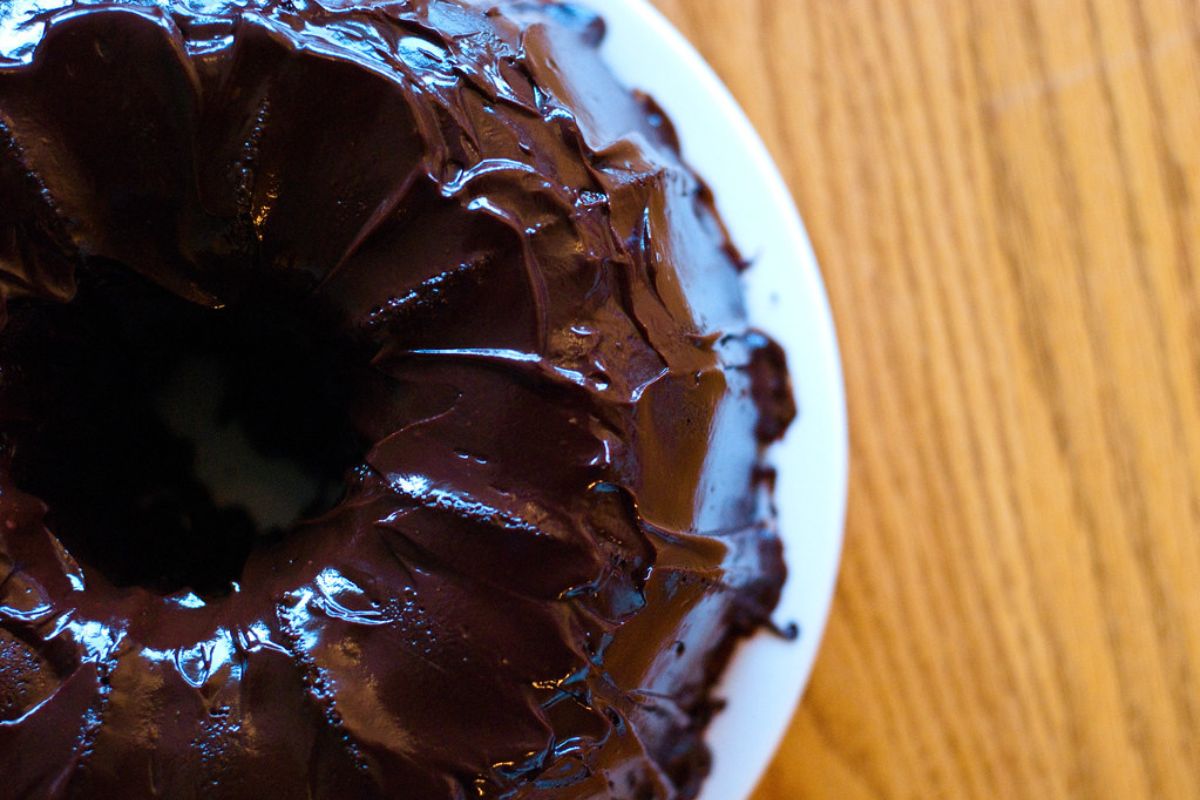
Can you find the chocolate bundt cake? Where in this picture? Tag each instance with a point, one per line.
(443, 266)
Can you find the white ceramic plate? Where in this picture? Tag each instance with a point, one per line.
(786, 299)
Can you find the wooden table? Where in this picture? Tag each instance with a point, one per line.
(1005, 199)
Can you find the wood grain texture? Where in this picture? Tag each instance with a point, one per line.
(1003, 197)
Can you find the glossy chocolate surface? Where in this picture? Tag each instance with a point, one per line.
(525, 325)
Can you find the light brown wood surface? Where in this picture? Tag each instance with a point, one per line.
(1003, 196)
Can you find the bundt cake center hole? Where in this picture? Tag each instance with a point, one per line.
(199, 403)
(170, 440)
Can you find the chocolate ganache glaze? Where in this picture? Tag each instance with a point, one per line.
(459, 277)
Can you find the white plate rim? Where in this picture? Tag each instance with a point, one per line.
(786, 298)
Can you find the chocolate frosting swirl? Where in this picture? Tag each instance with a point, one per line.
(555, 529)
